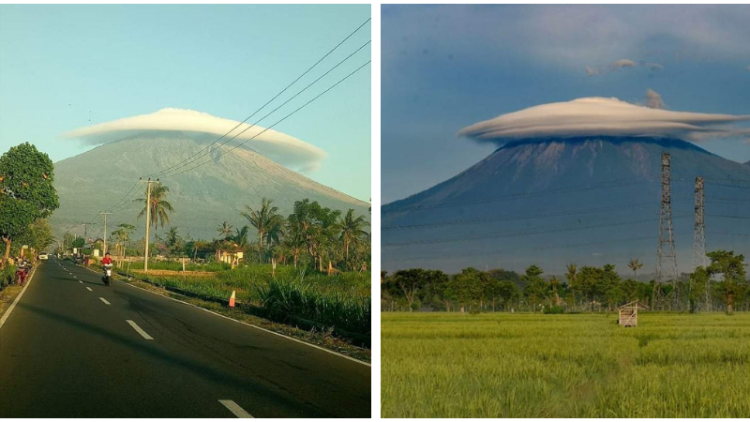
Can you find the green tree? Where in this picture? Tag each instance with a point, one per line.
(352, 229)
(264, 219)
(174, 241)
(26, 192)
(316, 225)
(122, 236)
(732, 267)
(410, 283)
(224, 230)
(38, 236)
(537, 290)
(467, 287)
(635, 265)
(160, 207)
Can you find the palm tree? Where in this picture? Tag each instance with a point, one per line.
(276, 233)
(294, 241)
(352, 229)
(555, 284)
(159, 205)
(240, 237)
(265, 220)
(121, 236)
(635, 265)
(225, 230)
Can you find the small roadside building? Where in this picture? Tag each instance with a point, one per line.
(629, 314)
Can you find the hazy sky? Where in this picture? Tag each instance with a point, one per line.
(447, 67)
(65, 67)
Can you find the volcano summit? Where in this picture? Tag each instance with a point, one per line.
(575, 182)
(220, 182)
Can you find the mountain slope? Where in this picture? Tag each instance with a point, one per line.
(563, 200)
(202, 198)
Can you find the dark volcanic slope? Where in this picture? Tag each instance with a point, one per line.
(551, 202)
(202, 198)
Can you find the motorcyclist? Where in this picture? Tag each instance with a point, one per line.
(106, 265)
(107, 259)
(22, 270)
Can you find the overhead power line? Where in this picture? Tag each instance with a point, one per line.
(539, 230)
(166, 174)
(524, 216)
(458, 203)
(515, 249)
(208, 147)
(279, 121)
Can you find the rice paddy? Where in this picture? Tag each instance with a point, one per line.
(584, 365)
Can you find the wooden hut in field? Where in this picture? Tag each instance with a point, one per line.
(629, 313)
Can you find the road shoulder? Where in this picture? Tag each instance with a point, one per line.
(10, 296)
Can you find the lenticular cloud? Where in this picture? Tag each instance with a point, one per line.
(282, 148)
(602, 117)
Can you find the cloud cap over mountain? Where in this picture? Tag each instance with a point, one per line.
(280, 147)
(595, 116)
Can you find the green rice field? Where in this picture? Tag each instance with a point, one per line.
(583, 365)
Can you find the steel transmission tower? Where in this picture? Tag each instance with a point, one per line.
(666, 257)
(699, 238)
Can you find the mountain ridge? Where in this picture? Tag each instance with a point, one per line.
(533, 190)
(202, 198)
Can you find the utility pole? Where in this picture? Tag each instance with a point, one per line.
(666, 256)
(105, 214)
(148, 219)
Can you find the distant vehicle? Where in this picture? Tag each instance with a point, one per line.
(43, 256)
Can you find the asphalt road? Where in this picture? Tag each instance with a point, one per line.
(75, 348)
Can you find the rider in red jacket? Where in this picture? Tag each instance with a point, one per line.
(106, 259)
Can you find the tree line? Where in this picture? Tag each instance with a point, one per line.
(720, 285)
(312, 235)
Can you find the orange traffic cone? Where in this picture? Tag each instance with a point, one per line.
(231, 300)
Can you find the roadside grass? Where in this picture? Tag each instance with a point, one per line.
(177, 266)
(317, 337)
(532, 365)
(340, 303)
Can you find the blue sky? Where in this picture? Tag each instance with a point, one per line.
(64, 67)
(446, 67)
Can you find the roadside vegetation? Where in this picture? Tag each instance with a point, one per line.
(503, 365)
(308, 269)
(722, 285)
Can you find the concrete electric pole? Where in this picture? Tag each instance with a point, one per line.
(105, 214)
(148, 220)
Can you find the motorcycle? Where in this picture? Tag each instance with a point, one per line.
(21, 272)
(107, 274)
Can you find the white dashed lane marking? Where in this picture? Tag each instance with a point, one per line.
(104, 300)
(139, 330)
(235, 409)
(89, 289)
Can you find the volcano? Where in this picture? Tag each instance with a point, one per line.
(588, 200)
(202, 198)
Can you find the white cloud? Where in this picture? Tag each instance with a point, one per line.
(654, 100)
(654, 67)
(203, 127)
(623, 63)
(597, 116)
